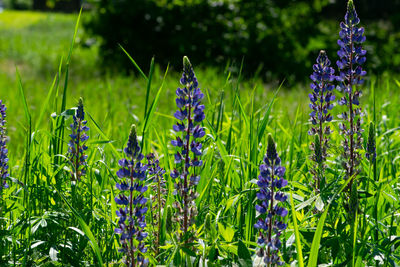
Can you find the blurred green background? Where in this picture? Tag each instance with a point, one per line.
(276, 39)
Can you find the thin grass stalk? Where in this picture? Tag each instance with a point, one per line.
(2, 224)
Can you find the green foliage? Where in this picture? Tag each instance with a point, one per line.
(275, 38)
(209, 32)
(39, 226)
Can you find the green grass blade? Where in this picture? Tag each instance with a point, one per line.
(153, 106)
(148, 87)
(317, 240)
(23, 98)
(71, 48)
(45, 104)
(318, 232)
(134, 63)
(243, 112)
(300, 260)
(100, 131)
(265, 120)
(355, 227)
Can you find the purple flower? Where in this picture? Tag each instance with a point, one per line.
(76, 146)
(351, 57)
(271, 213)
(321, 98)
(132, 222)
(188, 147)
(3, 148)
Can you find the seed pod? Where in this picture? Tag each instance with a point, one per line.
(169, 222)
(207, 223)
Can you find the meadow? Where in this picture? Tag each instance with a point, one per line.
(46, 220)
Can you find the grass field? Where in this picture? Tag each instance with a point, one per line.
(46, 221)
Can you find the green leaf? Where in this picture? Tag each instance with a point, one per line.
(188, 251)
(300, 260)
(79, 231)
(100, 131)
(45, 104)
(37, 244)
(265, 120)
(53, 254)
(153, 105)
(244, 254)
(319, 204)
(86, 230)
(227, 233)
(318, 232)
(25, 104)
(134, 63)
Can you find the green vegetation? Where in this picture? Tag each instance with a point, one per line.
(47, 222)
(274, 38)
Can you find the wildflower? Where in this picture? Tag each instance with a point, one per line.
(352, 56)
(3, 148)
(77, 144)
(190, 114)
(371, 148)
(131, 215)
(321, 98)
(270, 222)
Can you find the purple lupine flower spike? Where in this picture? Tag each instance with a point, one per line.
(3, 148)
(77, 144)
(352, 57)
(188, 146)
(270, 222)
(132, 223)
(321, 103)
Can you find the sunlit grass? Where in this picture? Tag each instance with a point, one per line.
(47, 226)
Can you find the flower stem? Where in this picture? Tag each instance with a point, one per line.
(77, 158)
(272, 214)
(131, 212)
(185, 208)
(159, 214)
(321, 95)
(351, 112)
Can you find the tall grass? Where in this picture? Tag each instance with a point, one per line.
(43, 225)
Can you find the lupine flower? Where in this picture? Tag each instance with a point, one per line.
(3, 148)
(352, 56)
(131, 215)
(188, 147)
(271, 213)
(77, 144)
(157, 174)
(371, 148)
(321, 103)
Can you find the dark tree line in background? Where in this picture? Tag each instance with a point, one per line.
(64, 5)
(45, 5)
(275, 38)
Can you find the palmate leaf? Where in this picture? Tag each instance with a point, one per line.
(227, 233)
